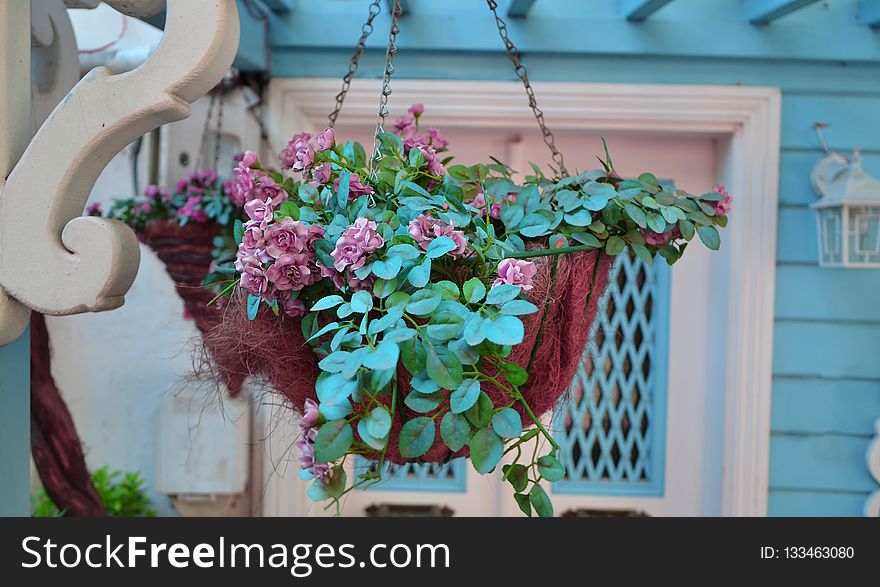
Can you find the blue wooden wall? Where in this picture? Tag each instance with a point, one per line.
(826, 390)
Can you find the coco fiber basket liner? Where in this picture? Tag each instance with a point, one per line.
(567, 291)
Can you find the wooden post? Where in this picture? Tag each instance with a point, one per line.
(15, 133)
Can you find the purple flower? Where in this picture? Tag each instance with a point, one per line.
(405, 125)
(228, 187)
(311, 416)
(357, 284)
(356, 242)
(325, 139)
(260, 211)
(321, 175)
(248, 159)
(306, 446)
(438, 141)
(253, 237)
(417, 109)
(425, 229)
(355, 188)
(253, 277)
(299, 154)
(294, 308)
(268, 188)
(479, 202)
(243, 186)
(192, 210)
(516, 272)
(286, 236)
(291, 272)
(722, 207)
(94, 209)
(658, 239)
(435, 166)
(181, 186)
(334, 275)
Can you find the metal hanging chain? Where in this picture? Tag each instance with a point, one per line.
(366, 29)
(202, 155)
(521, 72)
(386, 82)
(218, 132)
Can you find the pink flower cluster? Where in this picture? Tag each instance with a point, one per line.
(94, 209)
(306, 444)
(722, 207)
(516, 272)
(435, 166)
(479, 202)
(192, 210)
(407, 126)
(356, 189)
(658, 239)
(425, 229)
(350, 254)
(198, 182)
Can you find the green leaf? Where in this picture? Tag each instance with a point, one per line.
(333, 440)
(455, 431)
(524, 504)
(486, 449)
(253, 306)
(579, 218)
(459, 172)
(511, 216)
(534, 225)
(709, 236)
(399, 335)
(585, 238)
(480, 414)
(361, 302)
(614, 246)
(502, 293)
(540, 501)
(642, 252)
(342, 192)
(327, 302)
(507, 423)
(327, 328)
(423, 384)
(518, 308)
(475, 329)
(439, 247)
(384, 356)
(551, 469)
(423, 302)
(463, 398)
(443, 366)
(505, 330)
(413, 355)
(445, 325)
(237, 231)
(514, 374)
(447, 289)
(656, 223)
(336, 486)
(420, 274)
(517, 475)
(387, 269)
(372, 441)
(405, 251)
(379, 422)
(636, 214)
(474, 290)
(423, 403)
(398, 298)
(416, 437)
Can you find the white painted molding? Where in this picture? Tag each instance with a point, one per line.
(747, 118)
(872, 505)
(52, 259)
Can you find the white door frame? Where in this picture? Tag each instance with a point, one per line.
(747, 122)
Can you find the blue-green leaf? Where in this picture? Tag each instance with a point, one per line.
(507, 423)
(455, 431)
(551, 469)
(505, 330)
(327, 328)
(518, 308)
(423, 403)
(333, 440)
(372, 440)
(361, 302)
(443, 366)
(379, 422)
(399, 334)
(404, 251)
(540, 501)
(420, 274)
(502, 293)
(327, 302)
(445, 325)
(465, 396)
(389, 268)
(474, 290)
(416, 437)
(486, 449)
(423, 302)
(384, 356)
(709, 236)
(440, 246)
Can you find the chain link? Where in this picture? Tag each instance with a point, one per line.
(202, 155)
(386, 83)
(366, 29)
(218, 131)
(523, 75)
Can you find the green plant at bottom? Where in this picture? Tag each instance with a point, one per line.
(122, 494)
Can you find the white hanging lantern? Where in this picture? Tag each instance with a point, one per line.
(848, 212)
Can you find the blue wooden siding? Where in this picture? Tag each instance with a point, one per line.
(827, 335)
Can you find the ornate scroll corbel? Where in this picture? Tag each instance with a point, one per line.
(51, 258)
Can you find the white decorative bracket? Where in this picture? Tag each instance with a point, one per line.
(872, 506)
(51, 258)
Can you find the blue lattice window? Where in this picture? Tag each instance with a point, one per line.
(442, 477)
(612, 424)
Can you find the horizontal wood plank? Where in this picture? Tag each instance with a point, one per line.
(822, 406)
(815, 503)
(797, 239)
(802, 348)
(810, 292)
(825, 462)
(794, 174)
(854, 121)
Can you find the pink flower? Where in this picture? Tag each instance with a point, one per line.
(311, 416)
(286, 236)
(253, 237)
(658, 239)
(267, 188)
(722, 207)
(248, 159)
(438, 141)
(192, 210)
(334, 275)
(259, 210)
(435, 166)
(321, 175)
(293, 307)
(417, 109)
(325, 139)
(355, 188)
(94, 209)
(299, 154)
(291, 272)
(405, 125)
(243, 186)
(516, 272)
(479, 202)
(253, 277)
(360, 284)
(181, 186)
(356, 242)
(425, 229)
(228, 187)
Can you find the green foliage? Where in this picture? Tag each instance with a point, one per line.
(122, 494)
